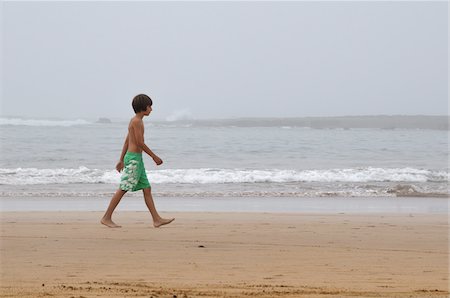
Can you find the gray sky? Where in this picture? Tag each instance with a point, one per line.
(224, 59)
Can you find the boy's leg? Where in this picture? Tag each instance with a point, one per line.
(106, 219)
(157, 220)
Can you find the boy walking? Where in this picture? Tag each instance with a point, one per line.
(133, 176)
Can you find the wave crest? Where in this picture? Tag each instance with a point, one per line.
(35, 122)
(84, 175)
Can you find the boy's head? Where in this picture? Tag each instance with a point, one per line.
(141, 102)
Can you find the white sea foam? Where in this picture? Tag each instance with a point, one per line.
(283, 176)
(36, 122)
(84, 175)
(32, 176)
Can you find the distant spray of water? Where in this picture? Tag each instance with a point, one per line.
(177, 115)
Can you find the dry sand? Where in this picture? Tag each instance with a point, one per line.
(69, 254)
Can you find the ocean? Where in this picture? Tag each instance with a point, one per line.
(224, 159)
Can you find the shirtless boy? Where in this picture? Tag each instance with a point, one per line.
(133, 176)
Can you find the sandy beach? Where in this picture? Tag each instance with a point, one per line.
(69, 254)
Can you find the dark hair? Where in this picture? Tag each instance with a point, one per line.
(141, 102)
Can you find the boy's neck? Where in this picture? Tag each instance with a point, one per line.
(140, 115)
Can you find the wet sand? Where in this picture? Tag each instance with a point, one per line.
(206, 254)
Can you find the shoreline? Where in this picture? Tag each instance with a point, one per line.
(331, 205)
(218, 254)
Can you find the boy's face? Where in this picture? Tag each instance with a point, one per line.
(148, 111)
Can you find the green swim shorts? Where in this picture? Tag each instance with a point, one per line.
(133, 175)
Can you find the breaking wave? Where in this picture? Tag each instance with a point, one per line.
(35, 122)
(84, 175)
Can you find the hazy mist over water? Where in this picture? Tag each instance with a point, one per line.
(198, 60)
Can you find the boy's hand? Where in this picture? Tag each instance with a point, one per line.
(157, 160)
(119, 166)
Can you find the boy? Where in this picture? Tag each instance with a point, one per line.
(134, 176)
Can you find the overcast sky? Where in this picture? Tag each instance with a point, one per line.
(224, 59)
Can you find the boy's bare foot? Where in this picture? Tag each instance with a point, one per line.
(109, 223)
(162, 221)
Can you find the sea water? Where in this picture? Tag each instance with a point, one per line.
(77, 158)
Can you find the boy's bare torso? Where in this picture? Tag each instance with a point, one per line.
(135, 134)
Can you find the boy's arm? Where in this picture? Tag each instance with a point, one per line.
(124, 149)
(120, 164)
(138, 129)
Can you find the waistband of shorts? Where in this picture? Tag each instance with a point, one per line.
(133, 153)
